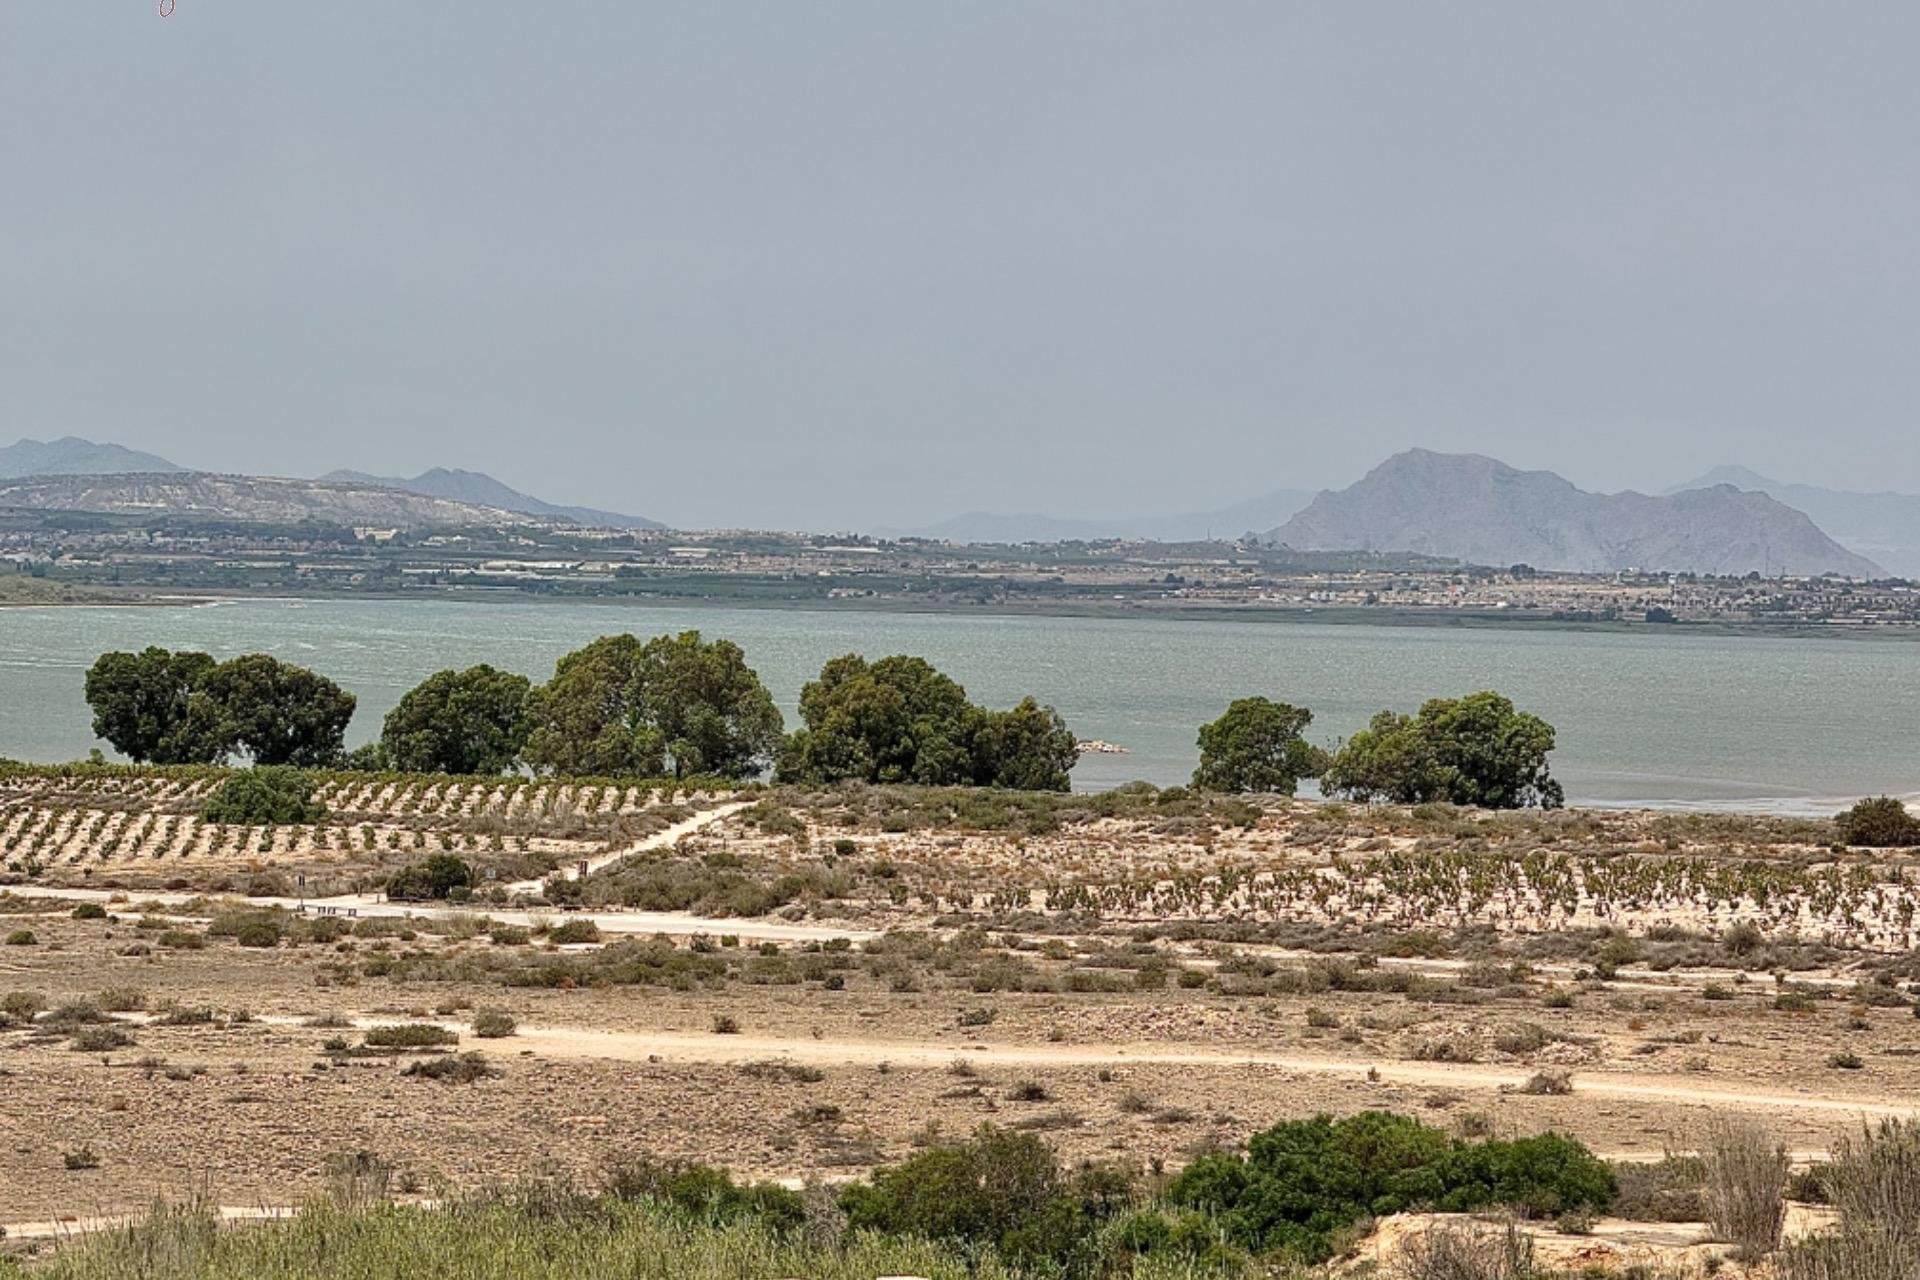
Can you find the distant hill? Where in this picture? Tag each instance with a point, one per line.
(253, 498)
(72, 456)
(1482, 511)
(1885, 527)
(1226, 522)
(482, 489)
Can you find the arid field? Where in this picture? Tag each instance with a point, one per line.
(805, 985)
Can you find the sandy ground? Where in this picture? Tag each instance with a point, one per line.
(776, 1072)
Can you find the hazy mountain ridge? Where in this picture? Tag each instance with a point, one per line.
(1226, 522)
(1480, 510)
(1883, 526)
(482, 489)
(264, 499)
(73, 456)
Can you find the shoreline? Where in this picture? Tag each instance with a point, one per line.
(1476, 620)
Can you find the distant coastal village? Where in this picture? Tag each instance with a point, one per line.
(84, 522)
(118, 557)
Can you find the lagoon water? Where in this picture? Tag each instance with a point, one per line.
(1708, 721)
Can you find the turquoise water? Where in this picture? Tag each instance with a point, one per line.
(1657, 718)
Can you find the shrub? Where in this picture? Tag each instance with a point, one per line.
(22, 938)
(1447, 1252)
(1879, 823)
(1555, 1084)
(459, 1068)
(258, 933)
(100, 1039)
(1667, 1190)
(266, 796)
(575, 931)
(494, 1024)
(411, 1035)
(435, 878)
(1746, 1182)
(705, 1193)
(20, 1008)
(81, 1158)
(89, 911)
(1000, 1189)
(1875, 1183)
(1302, 1180)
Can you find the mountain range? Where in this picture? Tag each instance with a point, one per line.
(1482, 511)
(72, 456)
(472, 496)
(1224, 522)
(263, 499)
(1884, 527)
(483, 490)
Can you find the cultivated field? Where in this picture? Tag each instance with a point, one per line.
(806, 985)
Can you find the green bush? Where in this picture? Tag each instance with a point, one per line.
(89, 911)
(435, 878)
(22, 938)
(1001, 1189)
(1879, 823)
(575, 931)
(1303, 1180)
(267, 796)
(705, 1193)
(494, 1024)
(411, 1035)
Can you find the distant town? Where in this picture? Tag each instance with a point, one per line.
(120, 556)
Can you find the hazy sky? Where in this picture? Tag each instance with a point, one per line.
(829, 264)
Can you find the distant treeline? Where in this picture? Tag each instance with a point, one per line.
(676, 705)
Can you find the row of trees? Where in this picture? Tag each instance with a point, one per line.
(1477, 750)
(185, 708)
(619, 707)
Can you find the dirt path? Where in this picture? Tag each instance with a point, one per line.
(658, 840)
(637, 1046)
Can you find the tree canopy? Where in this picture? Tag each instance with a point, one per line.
(901, 720)
(1257, 746)
(1476, 750)
(153, 706)
(279, 713)
(714, 717)
(184, 708)
(618, 707)
(467, 722)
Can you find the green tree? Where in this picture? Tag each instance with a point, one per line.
(1257, 746)
(467, 722)
(895, 720)
(153, 706)
(622, 708)
(1476, 750)
(592, 719)
(279, 713)
(1028, 748)
(901, 720)
(264, 796)
(714, 715)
